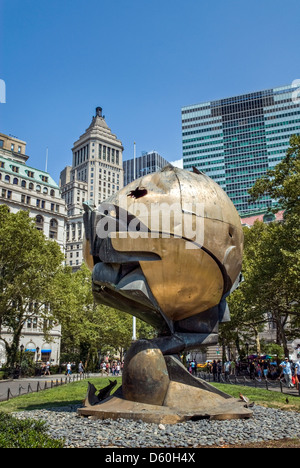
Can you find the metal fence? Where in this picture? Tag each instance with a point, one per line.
(14, 389)
(264, 383)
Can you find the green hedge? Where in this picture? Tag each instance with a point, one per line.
(16, 433)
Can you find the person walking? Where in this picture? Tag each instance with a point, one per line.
(297, 373)
(47, 368)
(265, 368)
(287, 371)
(214, 370)
(219, 370)
(80, 368)
(69, 369)
(227, 367)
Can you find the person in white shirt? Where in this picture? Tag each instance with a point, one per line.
(69, 369)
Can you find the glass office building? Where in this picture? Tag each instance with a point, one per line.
(143, 165)
(236, 140)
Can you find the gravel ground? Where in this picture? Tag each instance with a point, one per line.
(78, 432)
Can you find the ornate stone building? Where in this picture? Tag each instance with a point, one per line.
(96, 174)
(26, 188)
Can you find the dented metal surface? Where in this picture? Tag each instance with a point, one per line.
(167, 249)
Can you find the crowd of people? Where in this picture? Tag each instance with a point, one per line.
(258, 368)
(106, 367)
(113, 367)
(287, 370)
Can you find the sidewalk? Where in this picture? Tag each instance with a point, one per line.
(24, 385)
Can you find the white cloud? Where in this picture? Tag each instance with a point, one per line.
(178, 163)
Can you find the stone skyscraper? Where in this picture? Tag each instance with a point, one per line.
(96, 174)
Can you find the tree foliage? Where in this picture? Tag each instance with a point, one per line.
(34, 283)
(89, 329)
(271, 263)
(28, 265)
(283, 182)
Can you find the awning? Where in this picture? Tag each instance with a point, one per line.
(30, 350)
(46, 351)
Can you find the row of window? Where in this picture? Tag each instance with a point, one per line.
(215, 121)
(106, 153)
(13, 147)
(33, 323)
(202, 130)
(29, 173)
(39, 221)
(23, 184)
(27, 200)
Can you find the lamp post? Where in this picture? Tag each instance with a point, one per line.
(247, 351)
(37, 358)
(21, 359)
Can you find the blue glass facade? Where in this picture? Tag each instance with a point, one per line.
(145, 164)
(236, 140)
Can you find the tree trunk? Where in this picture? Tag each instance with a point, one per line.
(257, 340)
(281, 332)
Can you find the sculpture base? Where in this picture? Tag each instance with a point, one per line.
(183, 403)
(187, 398)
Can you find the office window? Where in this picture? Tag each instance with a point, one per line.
(53, 229)
(39, 221)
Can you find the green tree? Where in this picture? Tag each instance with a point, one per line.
(283, 185)
(28, 265)
(89, 328)
(271, 263)
(283, 182)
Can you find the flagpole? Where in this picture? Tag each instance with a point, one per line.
(46, 167)
(134, 177)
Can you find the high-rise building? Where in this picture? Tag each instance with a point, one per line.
(147, 163)
(236, 140)
(29, 189)
(96, 174)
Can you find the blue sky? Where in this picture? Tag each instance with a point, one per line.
(141, 60)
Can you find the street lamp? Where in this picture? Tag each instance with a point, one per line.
(21, 359)
(37, 358)
(134, 177)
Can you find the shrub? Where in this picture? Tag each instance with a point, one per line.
(16, 433)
